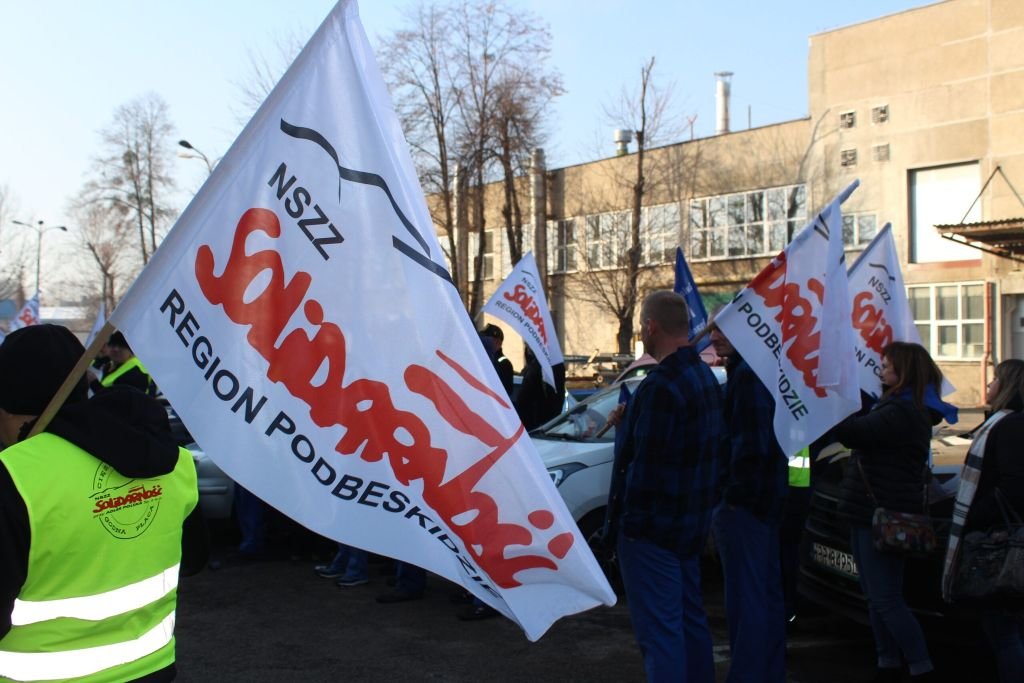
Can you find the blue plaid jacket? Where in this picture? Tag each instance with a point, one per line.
(755, 475)
(666, 470)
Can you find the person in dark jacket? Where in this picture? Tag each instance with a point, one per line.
(78, 517)
(1000, 482)
(537, 401)
(123, 368)
(506, 373)
(662, 495)
(890, 447)
(754, 485)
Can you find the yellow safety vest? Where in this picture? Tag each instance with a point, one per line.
(98, 601)
(800, 469)
(133, 362)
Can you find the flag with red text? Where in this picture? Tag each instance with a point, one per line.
(880, 310)
(28, 315)
(792, 326)
(520, 302)
(301, 320)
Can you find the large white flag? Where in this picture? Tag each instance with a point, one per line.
(97, 325)
(28, 315)
(792, 325)
(520, 302)
(881, 311)
(300, 319)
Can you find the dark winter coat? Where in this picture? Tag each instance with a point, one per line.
(891, 443)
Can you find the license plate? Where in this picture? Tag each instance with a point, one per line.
(835, 560)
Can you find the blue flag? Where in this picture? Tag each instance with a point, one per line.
(688, 288)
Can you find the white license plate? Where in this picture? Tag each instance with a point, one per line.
(834, 559)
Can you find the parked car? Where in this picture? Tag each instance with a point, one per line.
(579, 461)
(828, 572)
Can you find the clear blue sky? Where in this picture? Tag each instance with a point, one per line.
(65, 65)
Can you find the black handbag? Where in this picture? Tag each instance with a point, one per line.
(902, 533)
(991, 562)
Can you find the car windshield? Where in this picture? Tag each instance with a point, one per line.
(583, 421)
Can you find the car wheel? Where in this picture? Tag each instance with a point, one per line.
(590, 527)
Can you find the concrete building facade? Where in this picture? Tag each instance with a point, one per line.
(925, 107)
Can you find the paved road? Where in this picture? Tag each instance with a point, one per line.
(276, 621)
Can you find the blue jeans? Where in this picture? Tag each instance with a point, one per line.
(1006, 636)
(251, 521)
(893, 624)
(749, 548)
(663, 590)
(353, 563)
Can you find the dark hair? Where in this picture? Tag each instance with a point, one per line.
(117, 340)
(1010, 374)
(494, 331)
(915, 370)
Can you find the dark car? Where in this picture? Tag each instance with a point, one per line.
(828, 573)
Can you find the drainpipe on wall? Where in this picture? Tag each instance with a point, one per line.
(987, 352)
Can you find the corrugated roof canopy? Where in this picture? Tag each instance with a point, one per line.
(1003, 237)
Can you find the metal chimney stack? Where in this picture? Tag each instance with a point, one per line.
(622, 138)
(722, 102)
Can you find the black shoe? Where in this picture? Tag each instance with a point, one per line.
(476, 613)
(398, 596)
(460, 597)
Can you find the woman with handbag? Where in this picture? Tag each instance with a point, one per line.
(991, 498)
(887, 472)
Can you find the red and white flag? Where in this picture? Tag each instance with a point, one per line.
(28, 315)
(300, 318)
(881, 310)
(520, 302)
(792, 326)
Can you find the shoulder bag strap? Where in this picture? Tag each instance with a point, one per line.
(867, 485)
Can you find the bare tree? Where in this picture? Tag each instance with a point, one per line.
(13, 256)
(495, 48)
(264, 73)
(611, 274)
(418, 66)
(133, 174)
(102, 233)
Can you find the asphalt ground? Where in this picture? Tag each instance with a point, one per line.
(275, 620)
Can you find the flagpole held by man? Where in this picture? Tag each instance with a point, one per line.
(238, 319)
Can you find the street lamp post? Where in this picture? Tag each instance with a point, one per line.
(40, 228)
(188, 145)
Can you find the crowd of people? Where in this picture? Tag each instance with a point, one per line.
(693, 462)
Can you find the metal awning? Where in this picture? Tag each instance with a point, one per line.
(1003, 237)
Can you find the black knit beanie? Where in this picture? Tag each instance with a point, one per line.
(34, 362)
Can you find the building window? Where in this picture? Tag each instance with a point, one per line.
(474, 241)
(606, 236)
(758, 223)
(562, 246)
(880, 152)
(659, 233)
(859, 229)
(940, 196)
(848, 119)
(880, 114)
(950, 319)
(848, 157)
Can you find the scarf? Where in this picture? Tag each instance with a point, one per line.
(969, 477)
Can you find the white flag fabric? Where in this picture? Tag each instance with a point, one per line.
(300, 319)
(28, 315)
(101, 319)
(880, 309)
(520, 302)
(792, 326)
